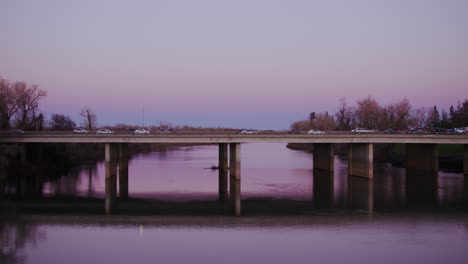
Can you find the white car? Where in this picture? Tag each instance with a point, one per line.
(141, 131)
(361, 130)
(104, 131)
(460, 130)
(80, 131)
(247, 131)
(315, 132)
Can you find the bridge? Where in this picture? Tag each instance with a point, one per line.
(421, 155)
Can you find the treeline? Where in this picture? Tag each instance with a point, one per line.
(369, 113)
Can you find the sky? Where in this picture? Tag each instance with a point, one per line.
(244, 64)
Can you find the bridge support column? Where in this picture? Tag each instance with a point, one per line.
(361, 193)
(323, 182)
(465, 168)
(422, 165)
(111, 177)
(361, 160)
(123, 171)
(323, 156)
(223, 172)
(235, 177)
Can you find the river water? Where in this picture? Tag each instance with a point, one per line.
(173, 215)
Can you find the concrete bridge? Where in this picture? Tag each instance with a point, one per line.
(421, 157)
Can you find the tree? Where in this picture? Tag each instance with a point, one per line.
(420, 117)
(28, 99)
(90, 117)
(21, 101)
(8, 103)
(369, 113)
(344, 116)
(61, 123)
(434, 117)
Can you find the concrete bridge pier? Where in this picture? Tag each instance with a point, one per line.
(361, 160)
(223, 172)
(323, 182)
(323, 156)
(123, 171)
(361, 176)
(235, 177)
(422, 166)
(465, 168)
(111, 151)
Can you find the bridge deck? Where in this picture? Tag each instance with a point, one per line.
(232, 138)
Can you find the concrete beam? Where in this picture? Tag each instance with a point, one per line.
(223, 172)
(323, 156)
(235, 177)
(111, 177)
(123, 171)
(234, 138)
(361, 160)
(422, 157)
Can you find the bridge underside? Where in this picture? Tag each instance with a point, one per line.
(421, 170)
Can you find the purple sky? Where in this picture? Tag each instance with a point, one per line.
(243, 63)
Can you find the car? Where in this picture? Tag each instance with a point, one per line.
(295, 131)
(15, 131)
(141, 131)
(460, 130)
(438, 130)
(80, 130)
(414, 130)
(163, 131)
(361, 130)
(391, 131)
(247, 131)
(452, 131)
(315, 132)
(104, 131)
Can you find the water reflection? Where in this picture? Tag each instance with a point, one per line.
(270, 173)
(15, 237)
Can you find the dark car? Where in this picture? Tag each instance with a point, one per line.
(451, 131)
(295, 131)
(438, 130)
(415, 130)
(391, 131)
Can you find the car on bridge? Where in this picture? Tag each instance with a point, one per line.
(315, 132)
(248, 131)
(80, 130)
(391, 131)
(295, 131)
(104, 131)
(141, 131)
(438, 130)
(163, 131)
(460, 130)
(361, 130)
(415, 130)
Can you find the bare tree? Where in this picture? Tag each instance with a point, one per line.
(8, 103)
(20, 100)
(397, 115)
(369, 113)
(344, 116)
(90, 117)
(28, 98)
(420, 117)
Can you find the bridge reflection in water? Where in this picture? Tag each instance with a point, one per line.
(421, 181)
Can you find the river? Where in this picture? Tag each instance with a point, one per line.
(173, 215)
